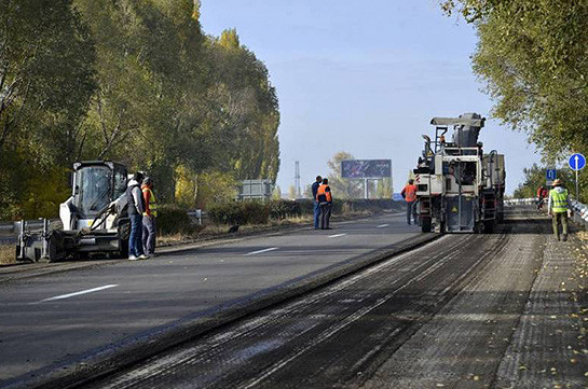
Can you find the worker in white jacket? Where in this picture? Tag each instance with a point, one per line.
(135, 210)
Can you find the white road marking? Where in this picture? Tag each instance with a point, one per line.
(262, 251)
(383, 225)
(347, 222)
(65, 296)
(336, 236)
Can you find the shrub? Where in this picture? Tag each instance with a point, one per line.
(173, 220)
(226, 213)
(282, 209)
(255, 212)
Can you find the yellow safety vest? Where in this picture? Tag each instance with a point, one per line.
(152, 202)
(559, 201)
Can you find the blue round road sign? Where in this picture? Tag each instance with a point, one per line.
(577, 161)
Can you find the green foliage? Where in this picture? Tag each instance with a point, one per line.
(239, 213)
(133, 81)
(173, 220)
(384, 189)
(283, 209)
(341, 187)
(535, 177)
(253, 212)
(532, 56)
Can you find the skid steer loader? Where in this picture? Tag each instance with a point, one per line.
(93, 220)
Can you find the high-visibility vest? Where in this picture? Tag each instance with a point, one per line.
(559, 201)
(322, 194)
(410, 193)
(152, 202)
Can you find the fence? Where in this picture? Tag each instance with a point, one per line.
(580, 209)
(580, 212)
(528, 201)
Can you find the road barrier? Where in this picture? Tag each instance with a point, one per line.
(580, 209)
(7, 231)
(580, 212)
(527, 201)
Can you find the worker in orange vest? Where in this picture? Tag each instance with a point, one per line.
(149, 225)
(409, 194)
(325, 201)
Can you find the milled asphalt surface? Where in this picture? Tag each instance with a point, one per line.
(43, 324)
(502, 310)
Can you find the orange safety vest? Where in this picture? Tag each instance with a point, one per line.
(322, 191)
(410, 193)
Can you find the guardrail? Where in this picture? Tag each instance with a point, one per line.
(580, 212)
(580, 209)
(7, 232)
(527, 201)
(6, 228)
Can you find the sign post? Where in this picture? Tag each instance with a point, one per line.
(366, 170)
(577, 162)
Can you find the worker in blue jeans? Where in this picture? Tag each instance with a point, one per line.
(135, 209)
(317, 207)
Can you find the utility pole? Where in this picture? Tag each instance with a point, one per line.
(297, 179)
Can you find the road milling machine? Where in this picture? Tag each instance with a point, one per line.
(93, 220)
(459, 188)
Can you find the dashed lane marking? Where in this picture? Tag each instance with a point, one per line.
(66, 296)
(262, 251)
(337, 236)
(383, 225)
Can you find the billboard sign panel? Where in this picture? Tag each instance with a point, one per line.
(366, 168)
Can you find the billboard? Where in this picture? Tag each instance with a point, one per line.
(366, 168)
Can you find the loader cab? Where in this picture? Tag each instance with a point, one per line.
(95, 185)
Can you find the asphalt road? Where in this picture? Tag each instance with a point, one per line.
(504, 310)
(53, 319)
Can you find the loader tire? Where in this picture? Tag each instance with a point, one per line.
(489, 227)
(124, 248)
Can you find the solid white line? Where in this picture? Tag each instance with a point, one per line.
(336, 236)
(65, 296)
(262, 251)
(383, 225)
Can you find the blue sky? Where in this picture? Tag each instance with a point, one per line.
(364, 77)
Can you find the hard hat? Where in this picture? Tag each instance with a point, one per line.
(557, 182)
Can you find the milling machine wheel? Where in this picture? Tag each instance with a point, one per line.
(426, 224)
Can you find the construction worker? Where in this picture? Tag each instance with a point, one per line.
(135, 210)
(149, 226)
(560, 207)
(325, 201)
(317, 208)
(409, 195)
(542, 194)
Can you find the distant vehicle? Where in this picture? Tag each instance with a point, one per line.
(93, 220)
(459, 188)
